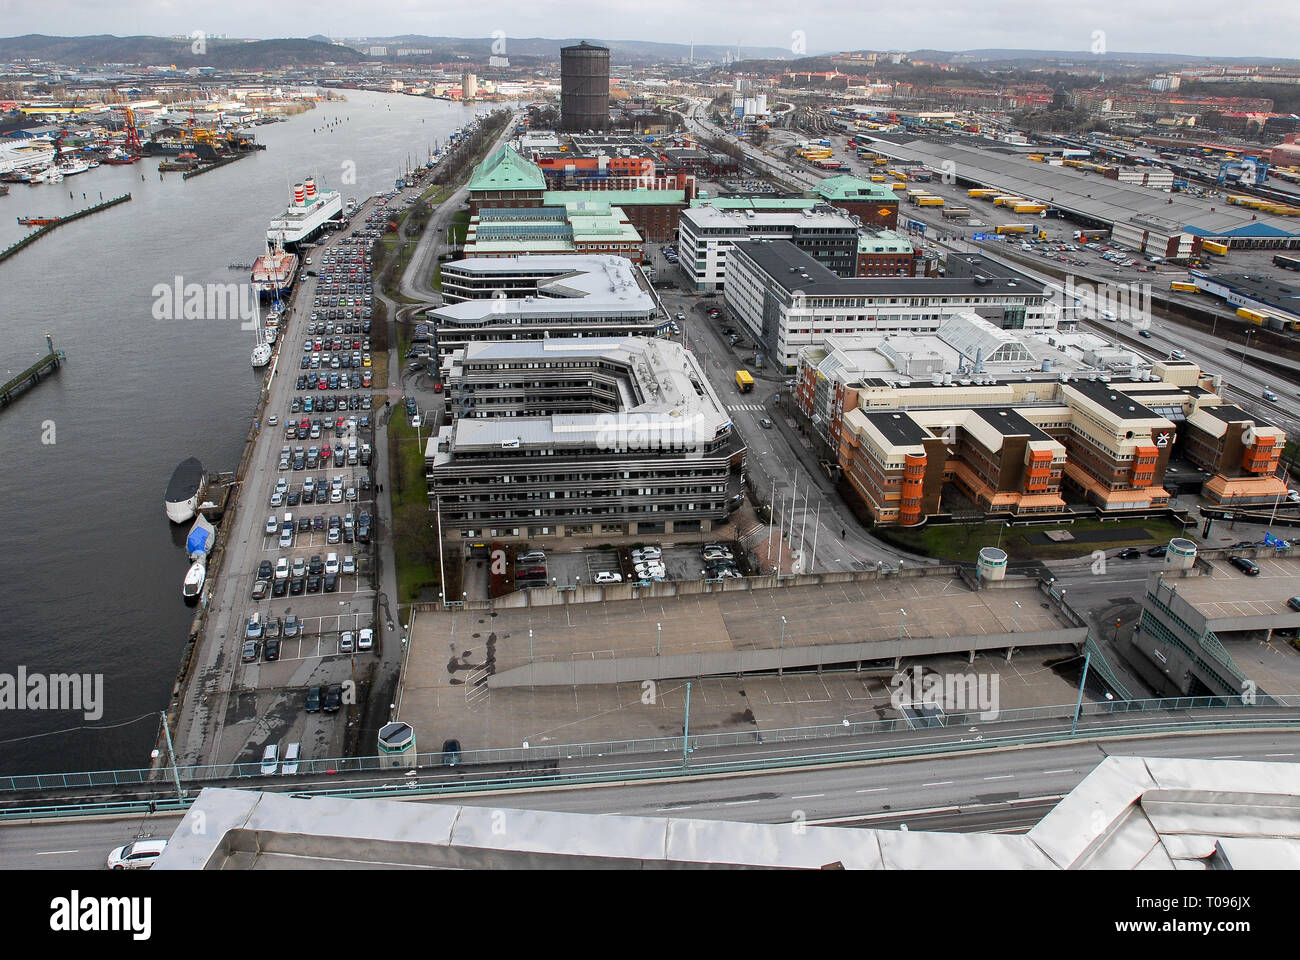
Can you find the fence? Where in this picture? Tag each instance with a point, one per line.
(531, 757)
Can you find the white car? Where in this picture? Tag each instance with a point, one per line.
(282, 485)
(136, 856)
(648, 553)
(282, 568)
(332, 563)
(606, 577)
(272, 524)
(336, 496)
(349, 564)
(346, 642)
(270, 759)
(289, 766)
(299, 567)
(366, 639)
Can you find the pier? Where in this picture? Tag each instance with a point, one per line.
(212, 166)
(35, 235)
(16, 386)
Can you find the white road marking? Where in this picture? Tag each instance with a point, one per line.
(1005, 776)
(53, 853)
(1233, 757)
(737, 803)
(872, 790)
(938, 783)
(1058, 771)
(1279, 754)
(807, 796)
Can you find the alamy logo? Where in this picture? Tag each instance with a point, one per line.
(53, 691)
(1130, 302)
(204, 301)
(950, 692)
(78, 914)
(638, 431)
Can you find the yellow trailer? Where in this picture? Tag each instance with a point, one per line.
(1252, 315)
(1209, 246)
(1184, 287)
(929, 201)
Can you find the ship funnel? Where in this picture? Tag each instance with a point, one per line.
(310, 184)
(299, 194)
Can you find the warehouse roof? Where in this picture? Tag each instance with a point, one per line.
(1091, 195)
(503, 169)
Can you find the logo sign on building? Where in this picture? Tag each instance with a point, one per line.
(1163, 438)
(980, 236)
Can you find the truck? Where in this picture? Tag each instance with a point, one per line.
(1209, 246)
(1183, 287)
(744, 381)
(1013, 228)
(1087, 236)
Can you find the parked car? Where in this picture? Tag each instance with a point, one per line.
(313, 699)
(450, 753)
(250, 651)
(1249, 567)
(1129, 553)
(270, 759)
(271, 650)
(333, 698)
(604, 576)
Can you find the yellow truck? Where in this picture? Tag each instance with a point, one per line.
(1209, 246)
(1183, 287)
(744, 382)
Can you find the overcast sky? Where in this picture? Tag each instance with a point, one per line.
(1204, 27)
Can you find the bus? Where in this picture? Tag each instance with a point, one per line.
(744, 382)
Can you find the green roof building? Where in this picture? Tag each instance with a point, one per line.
(505, 179)
(873, 203)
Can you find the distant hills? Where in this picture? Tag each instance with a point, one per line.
(222, 54)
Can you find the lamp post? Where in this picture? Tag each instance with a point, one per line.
(659, 640)
(902, 614)
(686, 726)
(1015, 616)
(1001, 527)
(1082, 680)
(780, 664)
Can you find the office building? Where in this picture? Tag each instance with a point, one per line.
(787, 300)
(588, 437)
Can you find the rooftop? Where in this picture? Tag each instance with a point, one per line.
(503, 169)
(570, 285)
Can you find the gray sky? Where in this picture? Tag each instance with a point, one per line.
(1205, 27)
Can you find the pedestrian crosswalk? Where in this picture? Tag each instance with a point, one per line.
(756, 407)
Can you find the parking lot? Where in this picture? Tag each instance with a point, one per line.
(684, 562)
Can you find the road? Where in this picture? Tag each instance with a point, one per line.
(967, 792)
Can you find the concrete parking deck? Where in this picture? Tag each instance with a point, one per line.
(446, 691)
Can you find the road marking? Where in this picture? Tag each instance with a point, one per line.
(1279, 754)
(53, 853)
(807, 796)
(1005, 776)
(872, 790)
(1058, 771)
(737, 803)
(939, 783)
(1233, 757)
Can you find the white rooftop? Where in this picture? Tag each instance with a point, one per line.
(574, 286)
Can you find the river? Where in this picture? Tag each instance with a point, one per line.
(90, 567)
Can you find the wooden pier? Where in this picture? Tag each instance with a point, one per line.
(17, 386)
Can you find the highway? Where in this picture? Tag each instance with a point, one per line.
(955, 793)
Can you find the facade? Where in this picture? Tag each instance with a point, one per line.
(583, 437)
(505, 179)
(887, 253)
(707, 233)
(584, 226)
(872, 203)
(788, 301)
(1017, 448)
(537, 297)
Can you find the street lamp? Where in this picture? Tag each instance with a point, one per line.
(780, 664)
(902, 614)
(1000, 529)
(1016, 616)
(659, 640)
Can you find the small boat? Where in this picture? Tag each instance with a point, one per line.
(184, 489)
(37, 221)
(194, 578)
(261, 355)
(198, 543)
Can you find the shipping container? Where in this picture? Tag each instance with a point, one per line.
(1209, 246)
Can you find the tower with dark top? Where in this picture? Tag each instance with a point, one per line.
(584, 88)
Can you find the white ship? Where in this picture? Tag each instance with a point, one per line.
(306, 216)
(71, 166)
(48, 175)
(25, 155)
(262, 351)
(184, 489)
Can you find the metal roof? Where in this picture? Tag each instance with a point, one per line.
(1130, 812)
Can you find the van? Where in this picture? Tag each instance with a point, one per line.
(290, 765)
(532, 556)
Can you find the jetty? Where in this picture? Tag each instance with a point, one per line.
(16, 386)
(35, 235)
